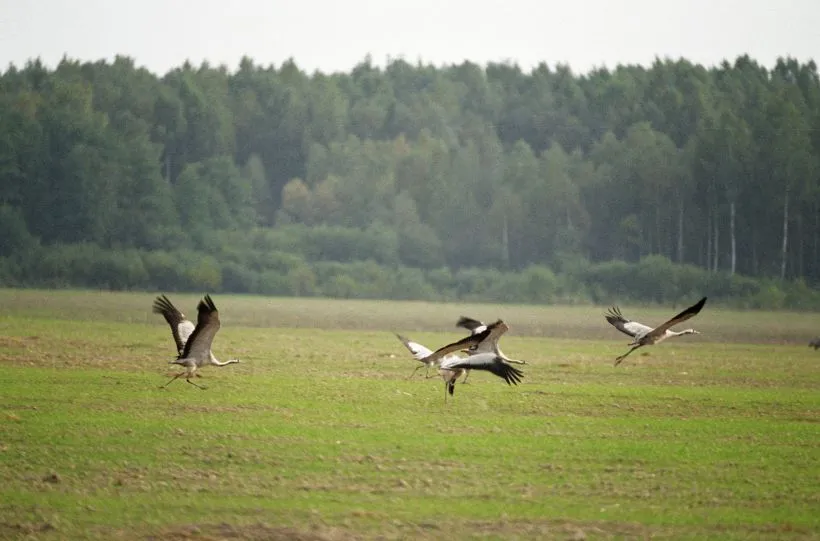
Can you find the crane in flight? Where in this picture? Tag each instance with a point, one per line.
(643, 335)
(483, 354)
(195, 347)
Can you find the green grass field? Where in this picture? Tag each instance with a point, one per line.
(318, 433)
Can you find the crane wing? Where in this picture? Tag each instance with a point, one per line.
(683, 316)
(474, 342)
(181, 327)
(419, 352)
(489, 362)
(487, 340)
(198, 345)
(473, 325)
(630, 328)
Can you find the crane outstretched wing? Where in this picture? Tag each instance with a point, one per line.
(473, 325)
(181, 327)
(626, 326)
(198, 345)
(489, 362)
(680, 318)
(475, 342)
(419, 352)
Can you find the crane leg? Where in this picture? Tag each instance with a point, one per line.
(622, 357)
(413, 373)
(188, 379)
(172, 379)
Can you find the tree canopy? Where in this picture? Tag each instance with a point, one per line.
(271, 176)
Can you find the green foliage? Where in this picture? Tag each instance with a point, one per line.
(14, 235)
(250, 180)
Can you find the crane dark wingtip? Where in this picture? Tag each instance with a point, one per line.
(207, 304)
(512, 375)
(161, 305)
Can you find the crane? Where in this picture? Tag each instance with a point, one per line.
(196, 350)
(484, 354)
(815, 343)
(646, 336)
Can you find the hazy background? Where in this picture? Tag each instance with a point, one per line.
(333, 36)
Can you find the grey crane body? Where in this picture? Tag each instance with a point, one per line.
(643, 335)
(196, 347)
(815, 343)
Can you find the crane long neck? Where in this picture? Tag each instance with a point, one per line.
(505, 358)
(680, 333)
(217, 362)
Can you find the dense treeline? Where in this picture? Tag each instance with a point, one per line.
(415, 181)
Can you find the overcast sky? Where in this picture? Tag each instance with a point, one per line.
(331, 35)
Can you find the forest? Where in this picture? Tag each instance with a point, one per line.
(414, 181)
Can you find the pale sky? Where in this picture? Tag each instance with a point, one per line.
(332, 36)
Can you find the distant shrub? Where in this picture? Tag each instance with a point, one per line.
(118, 270)
(472, 283)
(256, 262)
(273, 283)
(237, 278)
(411, 284)
(340, 286)
(165, 271)
(443, 282)
(540, 285)
(301, 281)
(202, 272)
(10, 272)
(14, 235)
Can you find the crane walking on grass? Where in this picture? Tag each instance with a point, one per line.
(196, 345)
(646, 336)
(484, 354)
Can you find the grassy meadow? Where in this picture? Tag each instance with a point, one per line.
(319, 434)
